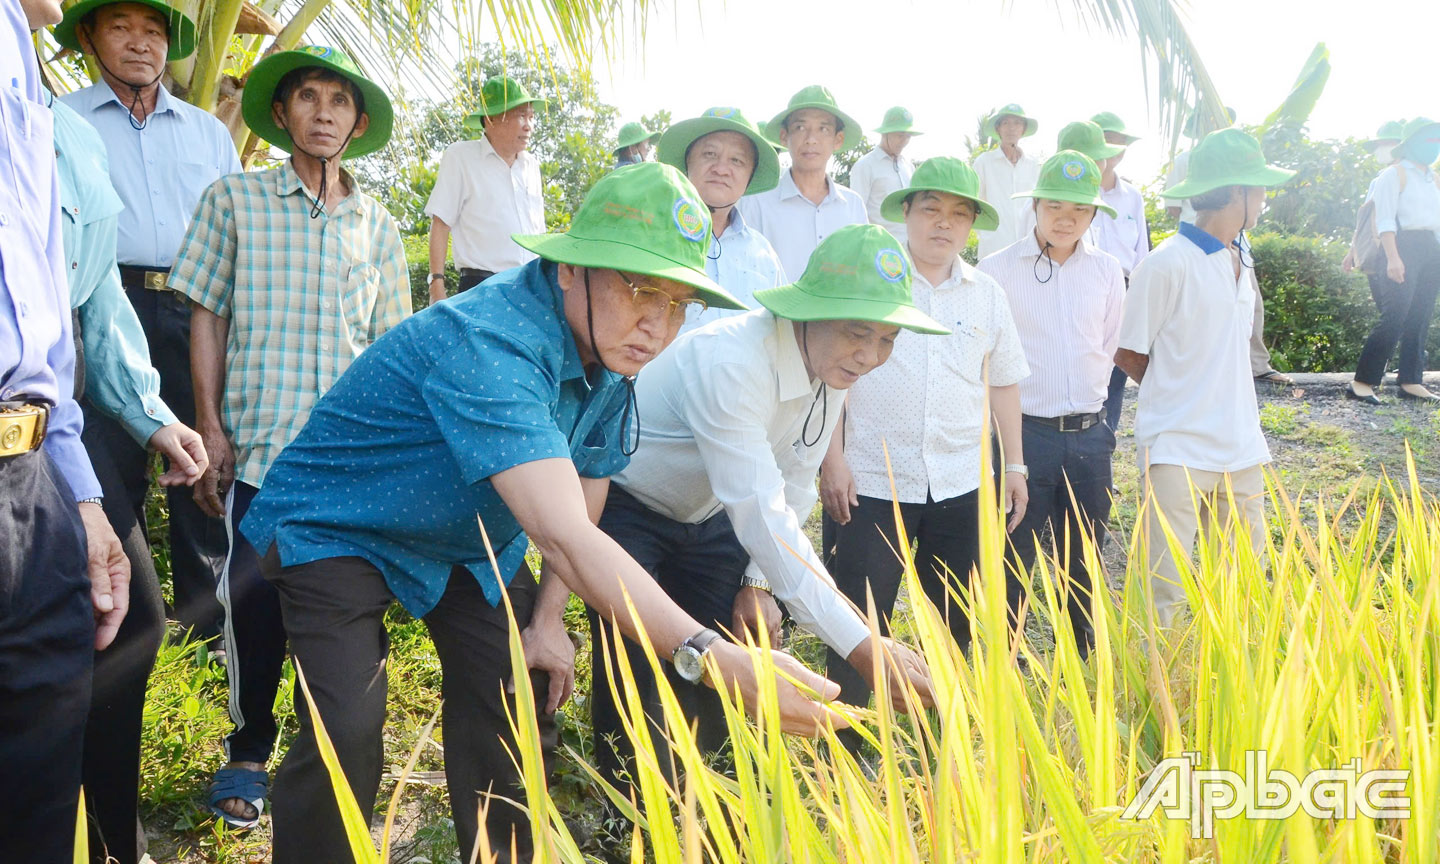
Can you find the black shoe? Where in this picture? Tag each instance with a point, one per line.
(1429, 397)
(1372, 399)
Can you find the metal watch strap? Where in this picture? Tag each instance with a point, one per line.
(757, 582)
(1017, 468)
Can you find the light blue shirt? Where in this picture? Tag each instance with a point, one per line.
(119, 379)
(1416, 208)
(37, 350)
(794, 225)
(159, 171)
(743, 262)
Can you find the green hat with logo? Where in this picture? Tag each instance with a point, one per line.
(499, 94)
(1415, 131)
(1087, 137)
(816, 96)
(1069, 176)
(1228, 157)
(943, 174)
(859, 273)
(1388, 133)
(265, 77)
(632, 134)
(676, 141)
(898, 119)
(1013, 110)
(645, 219)
(1192, 123)
(182, 28)
(1109, 121)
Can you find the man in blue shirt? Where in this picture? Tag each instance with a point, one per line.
(485, 422)
(49, 543)
(163, 153)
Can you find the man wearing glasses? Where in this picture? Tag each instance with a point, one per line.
(883, 170)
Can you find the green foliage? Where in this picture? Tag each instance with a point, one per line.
(1333, 177)
(1316, 317)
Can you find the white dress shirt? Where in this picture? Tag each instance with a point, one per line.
(873, 177)
(484, 201)
(794, 225)
(1188, 312)
(1416, 208)
(743, 262)
(1000, 179)
(1068, 325)
(722, 415)
(926, 404)
(1178, 169)
(1124, 235)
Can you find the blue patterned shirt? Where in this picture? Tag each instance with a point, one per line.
(394, 464)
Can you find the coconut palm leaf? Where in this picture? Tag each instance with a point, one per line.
(1296, 108)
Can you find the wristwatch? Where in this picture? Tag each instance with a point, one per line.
(433, 276)
(100, 501)
(1016, 468)
(689, 658)
(758, 582)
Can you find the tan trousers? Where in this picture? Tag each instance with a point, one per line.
(1186, 499)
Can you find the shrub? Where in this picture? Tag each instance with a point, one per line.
(1316, 317)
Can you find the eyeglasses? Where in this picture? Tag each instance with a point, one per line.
(650, 300)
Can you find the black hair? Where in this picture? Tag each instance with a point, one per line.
(1215, 199)
(909, 200)
(292, 80)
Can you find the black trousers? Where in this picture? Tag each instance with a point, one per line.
(334, 613)
(254, 639)
(469, 278)
(122, 673)
(197, 541)
(47, 651)
(699, 566)
(1405, 311)
(1062, 465)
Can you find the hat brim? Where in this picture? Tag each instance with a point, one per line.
(1031, 125)
(1107, 151)
(622, 144)
(1129, 138)
(791, 303)
(474, 120)
(260, 91)
(1267, 176)
(1432, 129)
(1373, 143)
(678, 138)
(1074, 198)
(986, 219)
(566, 248)
(886, 130)
(777, 123)
(182, 28)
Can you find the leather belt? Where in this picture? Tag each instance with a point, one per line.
(22, 429)
(1068, 423)
(144, 277)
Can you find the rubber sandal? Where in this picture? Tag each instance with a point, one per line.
(246, 784)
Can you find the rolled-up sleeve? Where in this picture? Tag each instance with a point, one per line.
(120, 380)
(1386, 195)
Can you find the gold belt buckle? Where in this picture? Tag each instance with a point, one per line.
(22, 429)
(156, 280)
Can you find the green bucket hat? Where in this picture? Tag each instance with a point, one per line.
(182, 28)
(1416, 130)
(1109, 121)
(859, 273)
(1069, 176)
(898, 119)
(644, 218)
(678, 138)
(1031, 124)
(943, 174)
(265, 76)
(1192, 123)
(1228, 157)
(499, 94)
(1389, 132)
(632, 134)
(816, 96)
(1087, 137)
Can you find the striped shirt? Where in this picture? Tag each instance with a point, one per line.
(303, 297)
(1069, 325)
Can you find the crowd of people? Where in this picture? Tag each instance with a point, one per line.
(329, 454)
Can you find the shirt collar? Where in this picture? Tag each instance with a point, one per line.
(164, 102)
(287, 182)
(788, 189)
(1208, 243)
(790, 362)
(962, 272)
(1031, 247)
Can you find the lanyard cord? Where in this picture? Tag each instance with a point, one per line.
(632, 405)
(819, 396)
(1242, 243)
(137, 125)
(1050, 271)
(318, 206)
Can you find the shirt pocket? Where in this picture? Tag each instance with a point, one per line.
(194, 179)
(357, 304)
(969, 346)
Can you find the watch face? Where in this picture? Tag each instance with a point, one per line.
(687, 663)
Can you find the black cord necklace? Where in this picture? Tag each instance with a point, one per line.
(632, 405)
(137, 90)
(1050, 271)
(819, 395)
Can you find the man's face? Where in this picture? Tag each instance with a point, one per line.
(631, 327)
(41, 13)
(720, 165)
(840, 352)
(812, 136)
(937, 225)
(1118, 140)
(1062, 223)
(1254, 204)
(319, 115)
(511, 130)
(895, 142)
(131, 39)
(1010, 128)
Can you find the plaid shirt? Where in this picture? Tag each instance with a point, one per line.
(303, 296)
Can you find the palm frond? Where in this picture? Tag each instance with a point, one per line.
(1305, 93)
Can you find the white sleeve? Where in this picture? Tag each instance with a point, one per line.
(448, 194)
(861, 180)
(1147, 306)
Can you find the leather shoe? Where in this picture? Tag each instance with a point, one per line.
(1406, 394)
(1371, 399)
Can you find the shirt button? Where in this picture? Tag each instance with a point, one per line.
(4, 218)
(150, 411)
(74, 265)
(327, 304)
(161, 222)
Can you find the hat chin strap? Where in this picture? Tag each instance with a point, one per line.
(820, 395)
(318, 206)
(632, 405)
(136, 89)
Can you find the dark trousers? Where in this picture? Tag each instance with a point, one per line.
(469, 278)
(335, 619)
(1062, 465)
(47, 650)
(1405, 311)
(699, 566)
(197, 541)
(254, 639)
(1115, 398)
(122, 673)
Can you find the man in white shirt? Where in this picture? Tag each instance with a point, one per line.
(1066, 297)
(726, 157)
(734, 420)
(926, 408)
(883, 170)
(807, 205)
(1005, 171)
(1185, 338)
(487, 190)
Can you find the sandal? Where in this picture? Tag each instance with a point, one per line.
(247, 785)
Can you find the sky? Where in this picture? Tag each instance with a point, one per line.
(950, 61)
